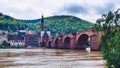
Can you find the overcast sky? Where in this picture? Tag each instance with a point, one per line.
(32, 9)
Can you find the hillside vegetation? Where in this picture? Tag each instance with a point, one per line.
(54, 23)
(68, 23)
(10, 24)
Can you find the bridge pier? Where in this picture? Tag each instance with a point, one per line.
(73, 43)
(94, 43)
(60, 43)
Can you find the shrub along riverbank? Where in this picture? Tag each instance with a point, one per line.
(109, 24)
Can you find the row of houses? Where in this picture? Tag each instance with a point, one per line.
(26, 39)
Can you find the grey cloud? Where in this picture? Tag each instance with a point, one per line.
(74, 9)
(103, 10)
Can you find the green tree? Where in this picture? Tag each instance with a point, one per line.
(5, 44)
(110, 41)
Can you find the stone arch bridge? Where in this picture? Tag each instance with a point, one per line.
(78, 40)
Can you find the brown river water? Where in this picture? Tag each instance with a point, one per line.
(50, 58)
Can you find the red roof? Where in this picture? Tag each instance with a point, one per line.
(31, 33)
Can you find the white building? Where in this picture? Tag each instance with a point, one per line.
(3, 37)
(43, 32)
(16, 40)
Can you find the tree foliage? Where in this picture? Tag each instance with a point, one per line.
(54, 23)
(5, 44)
(11, 24)
(69, 23)
(109, 24)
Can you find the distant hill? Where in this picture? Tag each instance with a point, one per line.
(69, 23)
(30, 21)
(11, 24)
(54, 23)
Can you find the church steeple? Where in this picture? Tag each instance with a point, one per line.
(42, 24)
(42, 21)
(43, 29)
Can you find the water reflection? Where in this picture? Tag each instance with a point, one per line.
(50, 58)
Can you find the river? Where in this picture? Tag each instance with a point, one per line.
(50, 58)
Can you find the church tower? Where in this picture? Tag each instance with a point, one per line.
(42, 29)
(42, 24)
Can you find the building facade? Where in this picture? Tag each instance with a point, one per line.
(32, 39)
(16, 40)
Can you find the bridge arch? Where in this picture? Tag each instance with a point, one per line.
(82, 41)
(66, 43)
(49, 44)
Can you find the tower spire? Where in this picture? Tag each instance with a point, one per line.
(42, 23)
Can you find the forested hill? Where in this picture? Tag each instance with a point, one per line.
(30, 21)
(8, 23)
(54, 23)
(69, 23)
